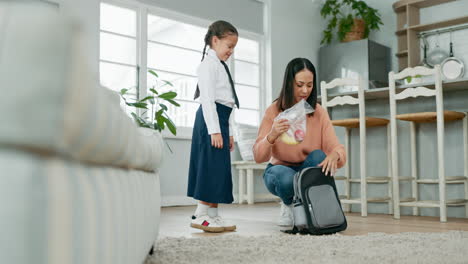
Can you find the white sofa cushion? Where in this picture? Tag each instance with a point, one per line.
(57, 211)
(52, 103)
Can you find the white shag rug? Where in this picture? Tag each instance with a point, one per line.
(447, 247)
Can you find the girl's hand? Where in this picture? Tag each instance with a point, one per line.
(278, 128)
(231, 143)
(330, 163)
(217, 140)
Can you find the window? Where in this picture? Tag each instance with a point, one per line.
(173, 49)
(118, 48)
(247, 80)
(174, 52)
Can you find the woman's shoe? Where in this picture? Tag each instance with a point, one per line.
(286, 216)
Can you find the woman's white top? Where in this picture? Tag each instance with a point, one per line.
(214, 85)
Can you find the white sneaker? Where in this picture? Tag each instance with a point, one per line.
(206, 223)
(228, 226)
(286, 216)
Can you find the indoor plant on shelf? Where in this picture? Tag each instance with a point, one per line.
(151, 111)
(353, 20)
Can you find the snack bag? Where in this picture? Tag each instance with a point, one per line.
(296, 117)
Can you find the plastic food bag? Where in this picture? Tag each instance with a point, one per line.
(296, 117)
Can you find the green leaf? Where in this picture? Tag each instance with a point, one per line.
(160, 121)
(156, 127)
(146, 98)
(170, 125)
(167, 83)
(123, 91)
(154, 73)
(138, 105)
(168, 95)
(135, 117)
(154, 91)
(173, 102)
(163, 106)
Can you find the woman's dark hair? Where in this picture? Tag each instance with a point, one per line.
(285, 99)
(220, 29)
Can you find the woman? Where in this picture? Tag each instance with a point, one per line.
(320, 146)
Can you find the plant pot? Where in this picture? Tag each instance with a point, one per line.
(357, 31)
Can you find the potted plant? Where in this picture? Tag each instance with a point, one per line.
(157, 118)
(413, 79)
(353, 20)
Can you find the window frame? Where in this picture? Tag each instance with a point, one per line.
(142, 12)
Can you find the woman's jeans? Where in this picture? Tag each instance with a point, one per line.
(279, 178)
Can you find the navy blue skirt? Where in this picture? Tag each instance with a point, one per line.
(210, 178)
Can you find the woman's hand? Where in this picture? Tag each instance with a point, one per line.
(231, 143)
(330, 163)
(278, 128)
(217, 140)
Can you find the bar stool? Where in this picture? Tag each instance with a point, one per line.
(362, 123)
(439, 116)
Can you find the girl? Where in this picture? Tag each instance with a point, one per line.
(210, 179)
(319, 148)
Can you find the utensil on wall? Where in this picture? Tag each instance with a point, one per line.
(424, 60)
(437, 55)
(452, 67)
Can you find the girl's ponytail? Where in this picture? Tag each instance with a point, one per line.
(204, 51)
(208, 36)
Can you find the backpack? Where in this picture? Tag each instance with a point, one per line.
(316, 205)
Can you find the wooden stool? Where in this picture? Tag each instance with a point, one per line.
(426, 117)
(362, 123)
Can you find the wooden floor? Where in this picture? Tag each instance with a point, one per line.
(260, 219)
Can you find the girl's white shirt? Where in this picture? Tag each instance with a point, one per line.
(214, 85)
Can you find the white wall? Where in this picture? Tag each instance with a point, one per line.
(296, 31)
(386, 35)
(245, 14)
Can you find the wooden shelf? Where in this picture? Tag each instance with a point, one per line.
(440, 24)
(400, 32)
(409, 25)
(403, 53)
(400, 6)
(379, 93)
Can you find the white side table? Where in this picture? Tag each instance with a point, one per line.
(247, 168)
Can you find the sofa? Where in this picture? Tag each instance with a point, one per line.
(79, 181)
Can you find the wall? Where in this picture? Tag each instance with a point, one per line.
(245, 14)
(296, 31)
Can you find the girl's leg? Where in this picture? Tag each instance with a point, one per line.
(313, 159)
(279, 181)
(212, 205)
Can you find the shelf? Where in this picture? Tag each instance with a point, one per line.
(403, 53)
(400, 32)
(409, 28)
(379, 93)
(400, 6)
(440, 24)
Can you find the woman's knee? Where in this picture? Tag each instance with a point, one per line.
(316, 156)
(279, 175)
